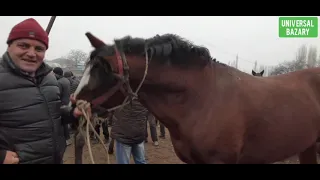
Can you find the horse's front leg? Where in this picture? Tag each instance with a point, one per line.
(79, 143)
(224, 158)
(309, 156)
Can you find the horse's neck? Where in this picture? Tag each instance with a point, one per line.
(178, 109)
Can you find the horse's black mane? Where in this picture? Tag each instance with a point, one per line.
(168, 48)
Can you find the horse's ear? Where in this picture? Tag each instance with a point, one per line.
(95, 42)
(253, 73)
(262, 72)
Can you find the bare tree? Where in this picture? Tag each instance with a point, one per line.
(282, 68)
(78, 56)
(301, 58)
(261, 67)
(267, 70)
(233, 64)
(318, 60)
(312, 57)
(289, 66)
(237, 61)
(255, 65)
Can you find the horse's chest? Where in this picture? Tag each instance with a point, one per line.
(183, 150)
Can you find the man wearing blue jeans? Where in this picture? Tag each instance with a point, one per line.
(128, 131)
(123, 153)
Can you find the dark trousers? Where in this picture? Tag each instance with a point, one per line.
(66, 131)
(105, 130)
(162, 130)
(153, 128)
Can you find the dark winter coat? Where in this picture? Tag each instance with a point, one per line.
(30, 114)
(130, 124)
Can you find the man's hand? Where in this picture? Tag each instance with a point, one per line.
(73, 99)
(11, 158)
(80, 105)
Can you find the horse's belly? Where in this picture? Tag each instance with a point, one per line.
(276, 147)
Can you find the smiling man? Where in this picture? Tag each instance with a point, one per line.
(30, 105)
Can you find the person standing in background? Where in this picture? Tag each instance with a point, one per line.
(74, 82)
(153, 129)
(64, 86)
(162, 131)
(128, 131)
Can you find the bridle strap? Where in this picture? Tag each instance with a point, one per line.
(119, 62)
(123, 79)
(104, 97)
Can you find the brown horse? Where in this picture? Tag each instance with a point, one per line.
(214, 112)
(257, 74)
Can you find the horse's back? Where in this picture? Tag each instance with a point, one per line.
(298, 80)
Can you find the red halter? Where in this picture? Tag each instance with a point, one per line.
(122, 75)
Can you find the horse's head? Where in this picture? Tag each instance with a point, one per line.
(98, 77)
(257, 74)
(107, 72)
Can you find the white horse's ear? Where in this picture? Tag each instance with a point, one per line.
(95, 42)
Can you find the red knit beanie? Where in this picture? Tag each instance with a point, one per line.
(30, 29)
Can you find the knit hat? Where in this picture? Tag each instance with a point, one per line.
(58, 70)
(68, 74)
(30, 29)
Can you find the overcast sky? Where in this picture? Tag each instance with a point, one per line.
(251, 37)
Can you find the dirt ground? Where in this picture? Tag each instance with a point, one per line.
(162, 154)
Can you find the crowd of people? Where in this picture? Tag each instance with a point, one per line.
(36, 122)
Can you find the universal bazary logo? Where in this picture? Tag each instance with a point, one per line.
(298, 27)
